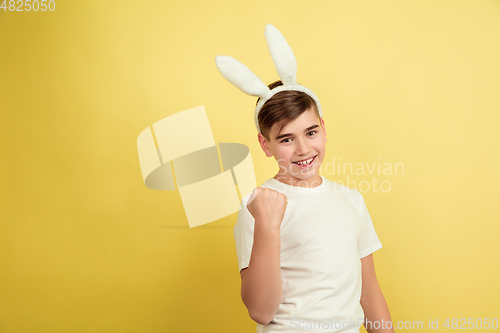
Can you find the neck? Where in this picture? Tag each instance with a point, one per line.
(288, 179)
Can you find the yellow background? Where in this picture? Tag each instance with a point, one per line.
(86, 247)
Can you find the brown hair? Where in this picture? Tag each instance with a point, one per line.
(283, 108)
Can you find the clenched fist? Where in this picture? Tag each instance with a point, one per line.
(267, 207)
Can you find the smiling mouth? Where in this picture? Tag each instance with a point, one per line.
(305, 162)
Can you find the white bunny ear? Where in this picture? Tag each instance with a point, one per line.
(241, 76)
(282, 55)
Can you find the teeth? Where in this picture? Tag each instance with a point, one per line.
(306, 161)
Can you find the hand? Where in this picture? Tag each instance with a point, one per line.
(267, 206)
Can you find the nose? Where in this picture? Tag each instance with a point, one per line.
(303, 147)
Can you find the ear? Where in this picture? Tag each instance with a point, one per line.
(282, 55)
(324, 129)
(264, 145)
(241, 76)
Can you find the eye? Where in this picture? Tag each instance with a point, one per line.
(313, 132)
(285, 139)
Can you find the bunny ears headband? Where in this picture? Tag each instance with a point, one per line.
(285, 63)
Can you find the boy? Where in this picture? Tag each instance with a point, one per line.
(304, 243)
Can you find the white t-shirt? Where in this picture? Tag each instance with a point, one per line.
(324, 233)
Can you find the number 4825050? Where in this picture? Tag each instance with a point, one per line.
(28, 5)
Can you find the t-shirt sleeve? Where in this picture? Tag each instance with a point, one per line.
(368, 239)
(243, 234)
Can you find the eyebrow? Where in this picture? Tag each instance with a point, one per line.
(290, 134)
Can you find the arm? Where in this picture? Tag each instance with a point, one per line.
(261, 281)
(372, 299)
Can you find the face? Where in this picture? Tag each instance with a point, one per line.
(293, 148)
